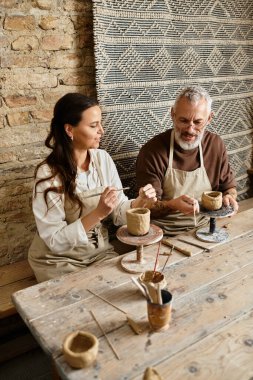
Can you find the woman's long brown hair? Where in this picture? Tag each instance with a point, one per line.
(68, 110)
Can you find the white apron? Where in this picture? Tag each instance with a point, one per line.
(179, 182)
(47, 265)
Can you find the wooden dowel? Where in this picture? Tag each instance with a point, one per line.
(194, 212)
(167, 258)
(156, 260)
(95, 195)
(108, 341)
(105, 300)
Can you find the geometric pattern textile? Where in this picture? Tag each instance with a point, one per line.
(147, 51)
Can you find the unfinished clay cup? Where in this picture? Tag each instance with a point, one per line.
(159, 316)
(212, 200)
(138, 221)
(80, 349)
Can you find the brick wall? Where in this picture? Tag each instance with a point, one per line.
(46, 51)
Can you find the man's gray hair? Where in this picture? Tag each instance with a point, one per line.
(194, 94)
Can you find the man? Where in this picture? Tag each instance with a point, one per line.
(183, 162)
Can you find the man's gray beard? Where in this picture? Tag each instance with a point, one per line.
(188, 146)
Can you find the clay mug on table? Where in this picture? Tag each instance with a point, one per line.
(138, 221)
(80, 349)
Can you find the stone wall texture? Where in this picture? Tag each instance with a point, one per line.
(46, 51)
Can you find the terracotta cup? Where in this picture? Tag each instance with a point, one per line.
(138, 221)
(80, 349)
(159, 316)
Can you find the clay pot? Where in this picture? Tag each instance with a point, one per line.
(211, 200)
(80, 349)
(138, 221)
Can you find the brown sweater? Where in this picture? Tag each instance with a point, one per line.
(153, 160)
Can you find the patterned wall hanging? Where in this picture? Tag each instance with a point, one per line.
(147, 50)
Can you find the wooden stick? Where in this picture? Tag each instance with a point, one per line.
(104, 299)
(94, 195)
(156, 260)
(167, 258)
(186, 252)
(194, 212)
(101, 328)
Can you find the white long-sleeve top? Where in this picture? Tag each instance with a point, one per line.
(51, 223)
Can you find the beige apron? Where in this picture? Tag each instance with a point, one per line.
(47, 265)
(178, 182)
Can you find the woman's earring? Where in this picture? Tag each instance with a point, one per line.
(71, 137)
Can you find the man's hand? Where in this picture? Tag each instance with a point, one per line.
(229, 199)
(185, 204)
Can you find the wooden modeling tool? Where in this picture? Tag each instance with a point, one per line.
(206, 249)
(194, 212)
(186, 252)
(95, 195)
(130, 321)
(106, 337)
(169, 254)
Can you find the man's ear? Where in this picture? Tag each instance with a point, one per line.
(172, 113)
(210, 117)
(69, 130)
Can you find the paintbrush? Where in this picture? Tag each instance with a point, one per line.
(97, 194)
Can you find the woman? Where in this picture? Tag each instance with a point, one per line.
(68, 213)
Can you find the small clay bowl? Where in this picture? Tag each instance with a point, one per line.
(211, 200)
(80, 349)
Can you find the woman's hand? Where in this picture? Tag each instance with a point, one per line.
(146, 198)
(107, 202)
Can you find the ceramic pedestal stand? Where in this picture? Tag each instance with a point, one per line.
(213, 234)
(137, 262)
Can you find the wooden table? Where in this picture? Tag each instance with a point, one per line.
(211, 333)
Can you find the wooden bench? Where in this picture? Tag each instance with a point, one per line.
(13, 277)
(15, 337)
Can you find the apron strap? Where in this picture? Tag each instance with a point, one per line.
(98, 168)
(171, 148)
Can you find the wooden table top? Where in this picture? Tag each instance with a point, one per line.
(210, 335)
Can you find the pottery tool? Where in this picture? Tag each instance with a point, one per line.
(195, 244)
(105, 300)
(95, 195)
(129, 320)
(108, 341)
(159, 294)
(135, 326)
(169, 254)
(194, 212)
(156, 260)
(140, 287)
(186, 252)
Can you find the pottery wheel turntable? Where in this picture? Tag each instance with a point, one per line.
(213, 234)
(137, 262)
